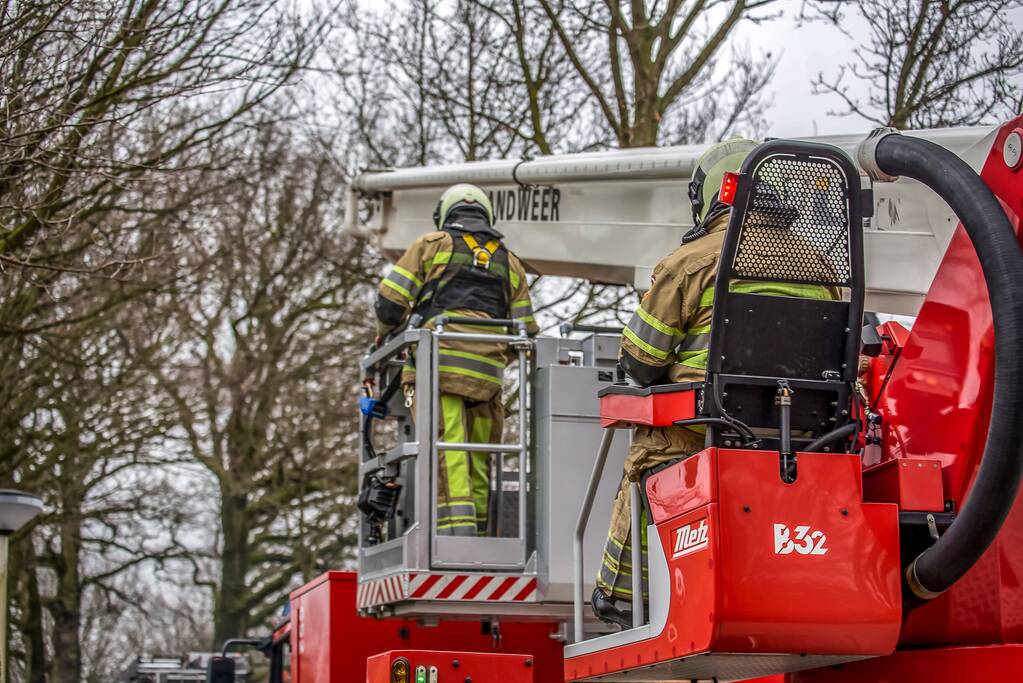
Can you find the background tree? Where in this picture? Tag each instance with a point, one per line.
(109, 115)
(81, 81)
(84, 433)
(267, 332)
(645, 64)
(932, 63)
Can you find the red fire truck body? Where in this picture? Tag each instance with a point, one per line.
(804, 579)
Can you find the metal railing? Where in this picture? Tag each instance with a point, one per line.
(636, 509)
(426, 344)
(520, 343)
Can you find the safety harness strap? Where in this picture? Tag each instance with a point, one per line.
(481, 256)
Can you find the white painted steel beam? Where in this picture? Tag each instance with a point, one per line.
(611, 216)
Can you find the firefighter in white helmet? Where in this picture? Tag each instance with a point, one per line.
(667, 340)
(461, 269)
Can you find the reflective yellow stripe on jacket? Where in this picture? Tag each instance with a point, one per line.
(652, 335)
(403, 282)
(522, 311)
(468, 364)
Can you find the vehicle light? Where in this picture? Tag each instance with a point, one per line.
(729, 184)
(433, 674)
(399, 670)
(1012, 150)
(420, 674)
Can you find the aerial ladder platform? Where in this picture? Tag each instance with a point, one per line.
(845, 515)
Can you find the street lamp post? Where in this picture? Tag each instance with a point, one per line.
(16, 510)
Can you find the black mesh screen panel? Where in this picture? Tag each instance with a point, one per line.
(775, 336)
(796, 227)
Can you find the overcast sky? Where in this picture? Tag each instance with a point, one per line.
(806, 51)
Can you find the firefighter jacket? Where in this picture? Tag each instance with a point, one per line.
(670, 329)
(440, 274)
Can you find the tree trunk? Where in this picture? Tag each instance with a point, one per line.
(230, 608)
(67, 658)
(32, 633)
(644, 131)
(647, 80)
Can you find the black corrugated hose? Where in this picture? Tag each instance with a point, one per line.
(1001, 259)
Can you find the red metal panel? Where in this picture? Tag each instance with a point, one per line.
(331, 643)
(454, 667)
(677, 490)
(994, 664)
(910, 483)
(938, 404)
(312, 638)
(659, 410)
(802, 568)
(844, 596)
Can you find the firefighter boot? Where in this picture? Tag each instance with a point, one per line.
(606, 610)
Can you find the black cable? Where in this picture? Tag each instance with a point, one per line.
(834, 435)
(515, 172)
(858, 416)
(888, 376)
(736, 424)
(743, 429)
(391, 389)
(998, 479)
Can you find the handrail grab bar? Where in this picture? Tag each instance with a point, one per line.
(636, 536)
(580, 530)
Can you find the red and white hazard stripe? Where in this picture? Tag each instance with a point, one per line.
(465, 587)
(381, 591)
(476, 587)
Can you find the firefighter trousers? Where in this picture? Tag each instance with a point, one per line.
(651, 446)
(463, 483)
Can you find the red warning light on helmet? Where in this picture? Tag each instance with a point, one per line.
(729, 185)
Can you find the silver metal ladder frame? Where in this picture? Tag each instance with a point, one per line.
(445, 552)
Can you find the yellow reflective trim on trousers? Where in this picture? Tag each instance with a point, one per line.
(661, 327)
(409, 274)
(399, 289)
(623, 566)
(480, 432)
(469, 373)
(652, 350)
(472, 356)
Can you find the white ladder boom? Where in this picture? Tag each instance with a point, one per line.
(611, 216)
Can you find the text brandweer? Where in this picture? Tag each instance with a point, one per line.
(527, 204)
